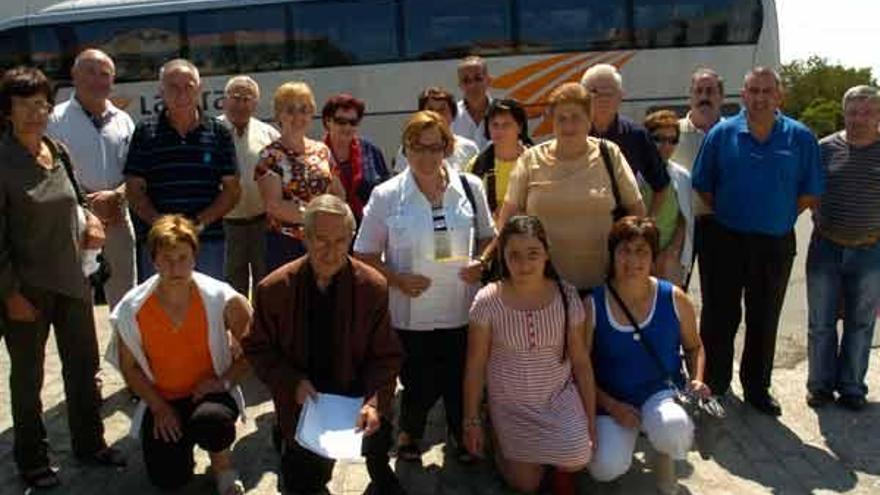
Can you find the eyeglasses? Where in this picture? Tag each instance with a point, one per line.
(338, 120)
(297, 108)
(242, 97)
(433, 149)
(657, 138)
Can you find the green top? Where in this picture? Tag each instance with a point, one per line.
(667, 215)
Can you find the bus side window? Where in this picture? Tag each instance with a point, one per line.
(455, 28)
(683, 23)
(573, 24)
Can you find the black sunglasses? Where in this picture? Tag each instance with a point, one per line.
(663, 139)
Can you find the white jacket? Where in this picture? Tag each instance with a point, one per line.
(681, 183)
(215, 294)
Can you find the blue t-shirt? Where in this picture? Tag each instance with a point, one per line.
(756, 185)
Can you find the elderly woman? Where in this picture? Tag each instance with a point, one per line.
(44, 232)
(530, 324)
(569, 183)
(292, 170)
(359, 164)
(173, 341)
(640, 323)
(675, 217)
(507, 126)
(419, 229)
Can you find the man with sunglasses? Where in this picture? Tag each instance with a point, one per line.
(245, 226)
(605, 85)
(473, 80)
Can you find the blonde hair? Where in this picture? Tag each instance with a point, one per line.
(425, 120)
(290, 92)
(570, 92)
(169, 231)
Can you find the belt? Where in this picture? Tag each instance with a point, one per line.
(866, 241)
(245, 220)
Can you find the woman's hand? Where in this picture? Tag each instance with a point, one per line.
(473, 439)
(93, 237)
(368, 420)
(412, 284)
(699, 389)
(18, 308)
(625, 415)
(472, 273)
(166, 424)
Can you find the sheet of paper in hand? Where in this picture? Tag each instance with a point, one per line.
(327, 426)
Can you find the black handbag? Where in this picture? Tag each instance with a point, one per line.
(619, 211)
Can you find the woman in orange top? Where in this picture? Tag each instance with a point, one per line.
(180, 332)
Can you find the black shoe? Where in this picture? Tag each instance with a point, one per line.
(765, 403)
(42, 478)
(852, 402)
(108, 456)
(390, 489)
(818, 400)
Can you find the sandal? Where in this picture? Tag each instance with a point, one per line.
(409, 452)
(228, 483)
(42, 478)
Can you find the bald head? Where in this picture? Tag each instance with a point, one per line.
(93, 73)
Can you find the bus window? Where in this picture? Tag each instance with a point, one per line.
(13, 48)
(342, 33)
(573, 25)
(46, 51)
(232, 41)
(138, 45)
(455, 28)
(682, 23)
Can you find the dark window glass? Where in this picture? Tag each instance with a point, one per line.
(342, 33)
(573, 24)
(674, 23)
(455, 28)
(46, 52)
(13, 48)
(232, 41)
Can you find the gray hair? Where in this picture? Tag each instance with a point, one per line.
(861, 92)
(242, 80)
(92, 54)
(602, 70)
(763, 71)
(330, 204)
(702, 72)
(178, 64)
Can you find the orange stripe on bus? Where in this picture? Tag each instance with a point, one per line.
(526, 91)
(510, 79)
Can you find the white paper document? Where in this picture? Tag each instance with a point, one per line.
(445, 301)
(327, 426)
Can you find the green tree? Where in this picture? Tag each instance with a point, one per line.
(814, 88)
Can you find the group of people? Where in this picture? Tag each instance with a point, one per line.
(539, 289)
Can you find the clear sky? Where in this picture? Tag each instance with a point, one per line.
(844, 31)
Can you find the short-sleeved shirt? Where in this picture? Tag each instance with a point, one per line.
(640, 152)
(756, 185)
(98, 145)
(184, 174)
(574, 200)
(256, 136)
(690, 138)
(850, 207)
(464, 125)
(399, 223)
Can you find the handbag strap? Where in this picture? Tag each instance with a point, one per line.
(473, 202)
(606, 158)
(641, 337)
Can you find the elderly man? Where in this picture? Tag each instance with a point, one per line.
(605, 85)
(321, 324)
(245, 225)
(182, 161)
(441, 101)
(706, 98)
(97, 135)
(844, 256)
(473, 80)
(758, 171)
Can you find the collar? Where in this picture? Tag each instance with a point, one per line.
(203, 121)
(410, 188)
(99, 121)
(233, 130)
(463, 106)
(742, 122)
(614, 128)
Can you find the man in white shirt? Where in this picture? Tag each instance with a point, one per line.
(245, 225)
(97, 134)
(473, 80)
(441, 101)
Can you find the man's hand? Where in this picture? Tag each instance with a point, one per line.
(94, 237)
(18, 308)
(368, 420)
(166, 424)
(305, 390)
(107, 206)
(626, 415)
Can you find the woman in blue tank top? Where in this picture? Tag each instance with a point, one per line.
(632, 391)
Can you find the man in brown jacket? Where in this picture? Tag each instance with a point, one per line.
(321, 324)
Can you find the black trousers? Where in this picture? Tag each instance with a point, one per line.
(433, 368)
(734, 266)
(74, 326)
(306, 472)
(209, 423)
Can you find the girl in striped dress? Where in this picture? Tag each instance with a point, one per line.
(527, 341)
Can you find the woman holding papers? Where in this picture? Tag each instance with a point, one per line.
(178, 331)
(420, 229)
(528, 342)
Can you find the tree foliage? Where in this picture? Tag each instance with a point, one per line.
(814, 89)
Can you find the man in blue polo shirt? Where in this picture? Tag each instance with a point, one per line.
(758, 171)
(182, 161)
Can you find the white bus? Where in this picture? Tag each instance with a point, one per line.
(387, 51)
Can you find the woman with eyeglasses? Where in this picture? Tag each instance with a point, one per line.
(675, 217)
(45, 228)
(359, 164)
(291, 172)
(420, 229)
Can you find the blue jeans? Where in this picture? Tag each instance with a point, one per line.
(210, 260)
(834, 274)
